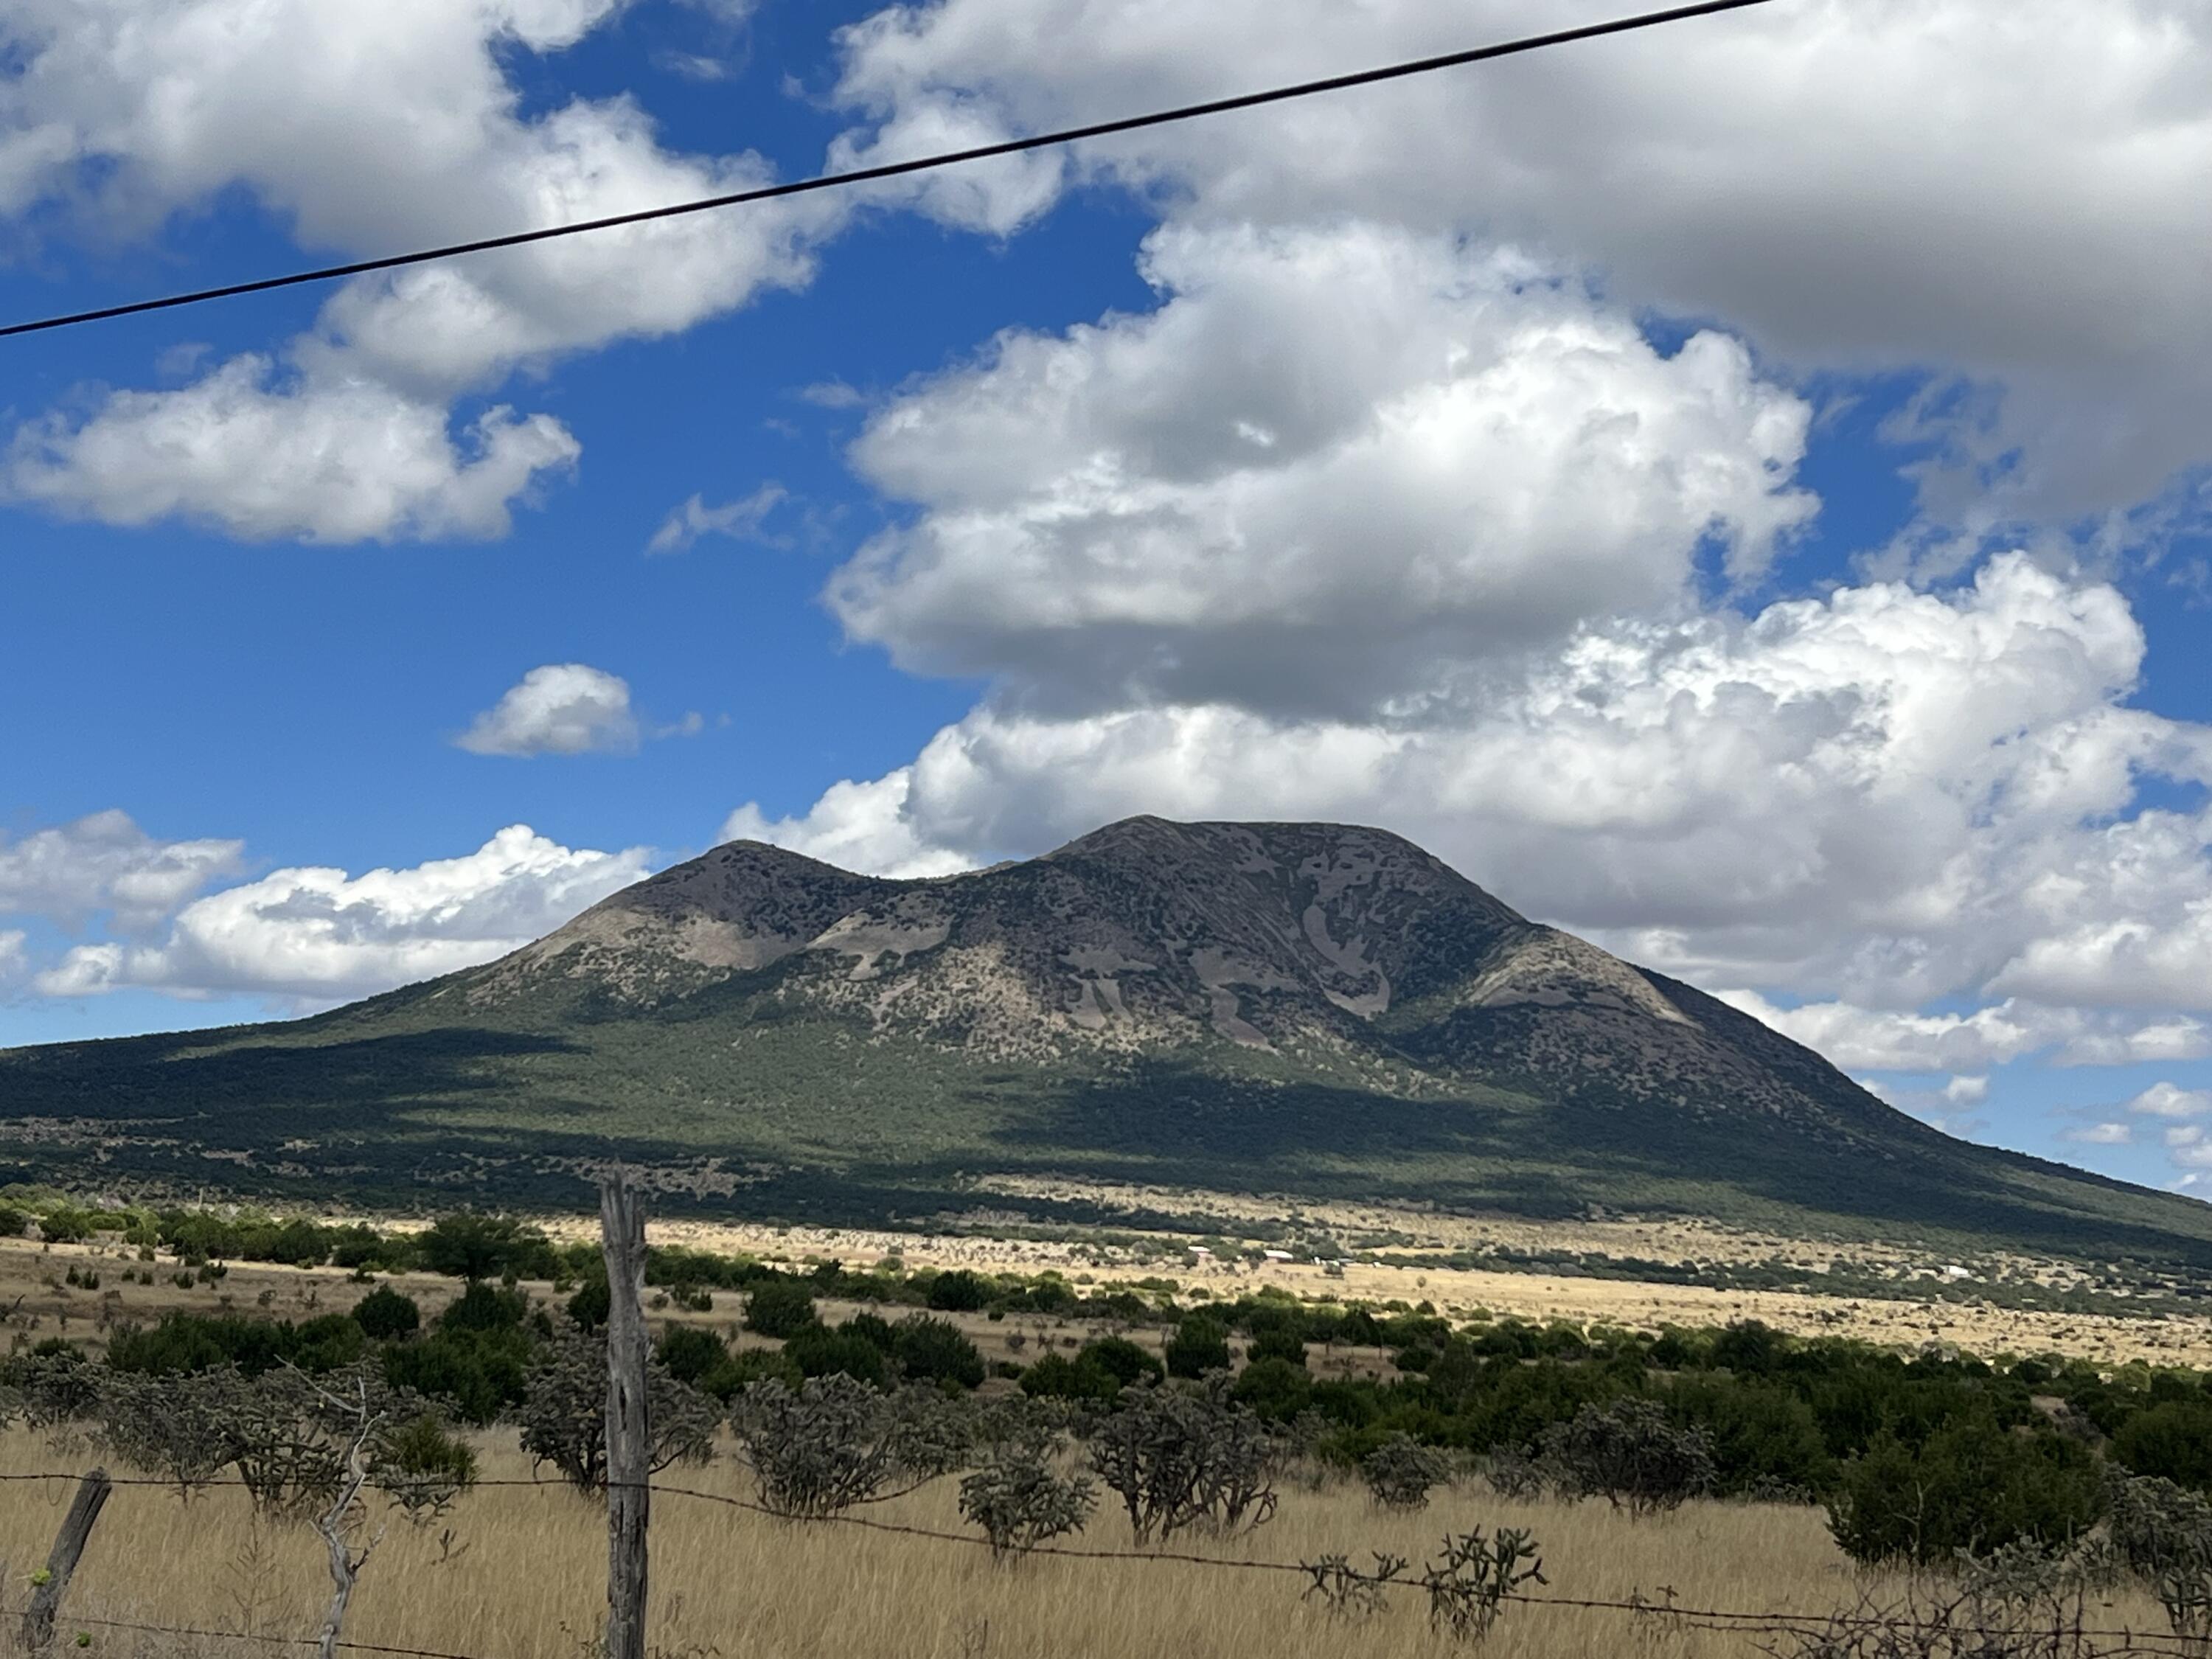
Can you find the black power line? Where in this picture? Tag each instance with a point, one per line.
(896, 169)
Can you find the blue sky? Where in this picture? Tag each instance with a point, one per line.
(1618, 473)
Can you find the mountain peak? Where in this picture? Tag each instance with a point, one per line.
(1304, 1008)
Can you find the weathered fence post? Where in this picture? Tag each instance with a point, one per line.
(61, 1561)
(622, 1225)
(346, 1562)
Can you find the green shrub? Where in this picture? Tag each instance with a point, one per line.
(873, 1327)
(817, 1350)
(1056, 1376)
(589, 1306)
(934, 1351)
(479, 1373)
(750, 1365)
(384, 1314)
(197, 1342)
(1971, 1486)
(1766, 1440)
(780, 1307)
(1126, 1362)
(2172, 1440)
(690, 1354)
(422, 1466)
(1200, 1344)
(1274, 1389)
(958, 1292)
(483, 1307)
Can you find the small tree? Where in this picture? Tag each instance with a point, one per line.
(1971, 1485)
(934, 1351)
(780, 1307)
(1629, 1454)
(1200, 1344)
(385, 1314)
(958, 1292)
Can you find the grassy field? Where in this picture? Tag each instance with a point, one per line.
(521, 1575)
(516, 1573)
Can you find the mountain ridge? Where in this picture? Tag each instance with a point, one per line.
(1292, 1007)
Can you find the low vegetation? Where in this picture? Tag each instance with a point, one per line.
(1169, 1419)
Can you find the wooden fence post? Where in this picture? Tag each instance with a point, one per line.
(629, 1471)
(61, 1561)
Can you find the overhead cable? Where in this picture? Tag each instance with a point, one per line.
(896, 169)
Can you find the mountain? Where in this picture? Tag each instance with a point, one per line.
(1303, 1009)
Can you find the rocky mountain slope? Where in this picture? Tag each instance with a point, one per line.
(1296, 1008)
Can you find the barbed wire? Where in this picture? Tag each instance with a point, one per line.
(76, 1621)
(1740, 1620)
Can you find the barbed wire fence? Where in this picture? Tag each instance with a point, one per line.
(1656, 1615)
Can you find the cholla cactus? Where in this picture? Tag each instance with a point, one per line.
(1400, 1473)
(2162, 1532)
(834, 1443)
(1019, 1499)
(564, 1414)
(1178, 1457)
(1469, 1582)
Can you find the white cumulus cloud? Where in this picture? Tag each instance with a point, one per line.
(368, 128)
(1853, 183)
(2170, 1100)
(265, 457)
(320, 935)
(561, 708)
(2102, 1135)
(104, 863)
(1327, 461)
(1876, 799)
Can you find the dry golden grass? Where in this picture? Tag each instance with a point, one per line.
(525, 1578)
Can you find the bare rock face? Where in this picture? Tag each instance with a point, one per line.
(1145, 931)
(1327, 943)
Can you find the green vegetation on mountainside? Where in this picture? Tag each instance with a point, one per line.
(1307, 1009)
